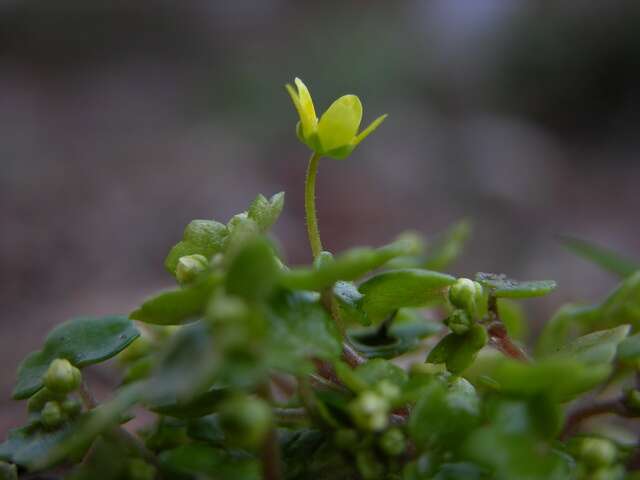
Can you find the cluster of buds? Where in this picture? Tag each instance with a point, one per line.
(52, 402)
(466, 296)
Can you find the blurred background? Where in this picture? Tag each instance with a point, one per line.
(122, 121)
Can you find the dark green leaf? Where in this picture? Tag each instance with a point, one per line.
(444, 414)
(502, 286)
(300, 329)
(603, 257)
(83, 341)
(394, 289)
(207, 429)
(178, 306)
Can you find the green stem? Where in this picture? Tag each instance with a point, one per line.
(310, 205)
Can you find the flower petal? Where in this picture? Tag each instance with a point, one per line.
(339, 124)
(308, 112)
(367, 131)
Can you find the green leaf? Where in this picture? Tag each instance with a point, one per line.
(603, 257)
(300, 329)
(200, 459)
(444, 415)
(629, 348)
(394, 289)
(178, 306)
(348, 298)
(83, 341)
(597, 347)
(459, 351)
(568, 319)
(207, 429)
(204, 237)
(253, 272)
(523, 379)
(350, 265)
(502, 286)
(447, 246)
(514, 456)
(622, 305)
(266, 212)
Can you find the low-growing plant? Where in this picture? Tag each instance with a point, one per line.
(370, 364)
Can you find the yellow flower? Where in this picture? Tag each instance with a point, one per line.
(335, 135)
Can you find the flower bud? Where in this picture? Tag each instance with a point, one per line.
(37, 401)
(245, 421)
(388, 390)
(189, 267)
(465, 294)
(51, 415)
(62, 377)
(370, 411)
(71, 407)
(392, 442)
(459, 322)
(597, 452)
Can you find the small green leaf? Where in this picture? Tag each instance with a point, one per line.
(518, 378)
(394, 289)
(597, 347)
(253, 272)
(502, 286)
(350, 265)
(513, 317)
(83, 341)
(203, 237)
(603, 257)
(459, 351)
(178, 306)
(266, 212)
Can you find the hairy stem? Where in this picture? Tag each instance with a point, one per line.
(310, 205)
